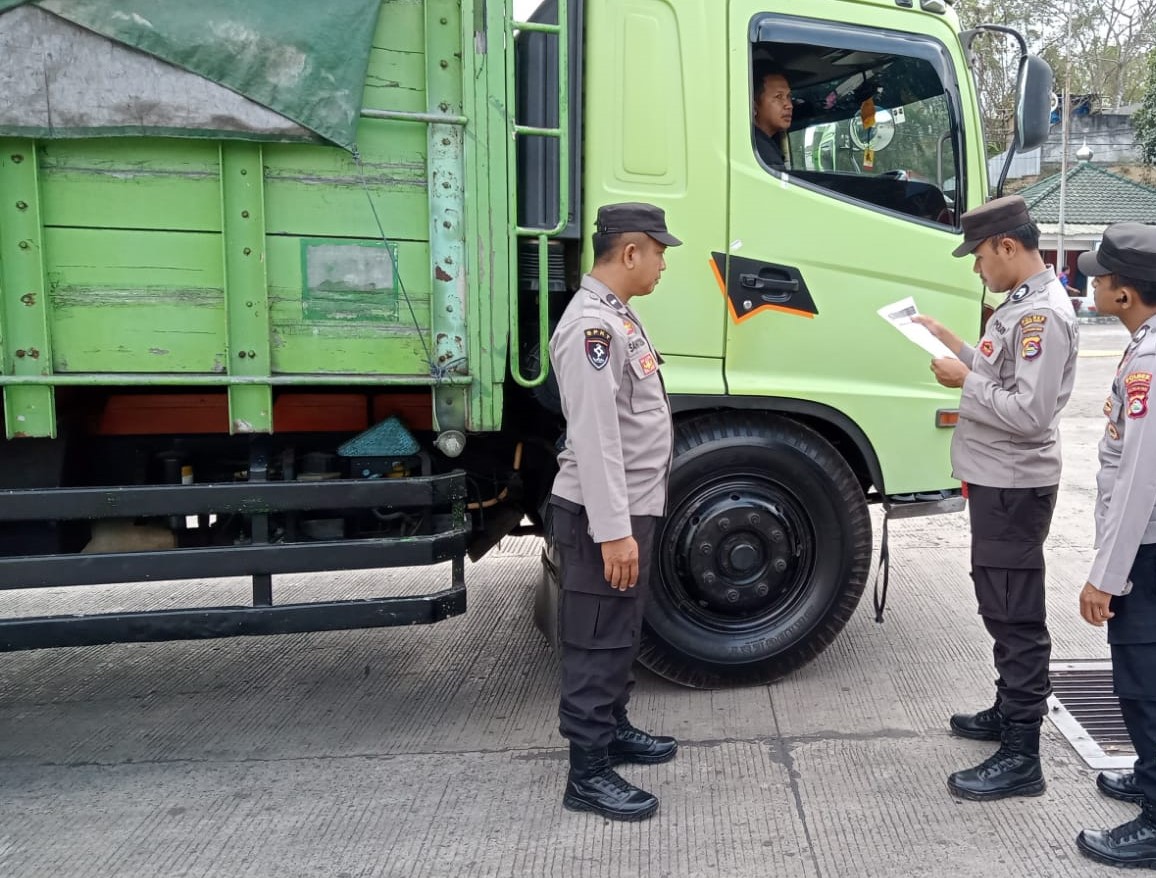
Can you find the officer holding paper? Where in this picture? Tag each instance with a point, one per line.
(1006, 451)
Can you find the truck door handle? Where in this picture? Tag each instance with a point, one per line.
(768, 285)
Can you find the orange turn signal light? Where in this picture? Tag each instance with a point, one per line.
(947, 417)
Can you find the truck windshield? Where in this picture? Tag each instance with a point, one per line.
(871, 116)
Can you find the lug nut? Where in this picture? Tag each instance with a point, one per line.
(755, 519)
(763, 590)
(780, 565)
(706, 548)
(724, 524)
(776, 536)
(732, 595)
(708, 578)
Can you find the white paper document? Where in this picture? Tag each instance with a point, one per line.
(899, 315)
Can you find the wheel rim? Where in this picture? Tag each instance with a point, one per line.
(737, 553)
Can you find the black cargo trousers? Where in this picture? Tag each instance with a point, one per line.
(1008, 529)
(600, 627)
(1132, 636)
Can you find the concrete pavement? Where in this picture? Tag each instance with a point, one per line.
(434, 751)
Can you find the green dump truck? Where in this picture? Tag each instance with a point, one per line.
(276, 280)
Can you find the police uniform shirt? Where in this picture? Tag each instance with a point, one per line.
(1126, 482)
(1022, 373)
(619, 436)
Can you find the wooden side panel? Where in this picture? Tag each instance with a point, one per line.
(348, 331)
(131, 183)
(135, 301)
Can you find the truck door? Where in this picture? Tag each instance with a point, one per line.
(863, 211)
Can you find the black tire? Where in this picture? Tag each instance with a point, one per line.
(763, 555)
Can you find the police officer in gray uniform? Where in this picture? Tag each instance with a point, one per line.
(1121, 587)
(607, 499)
(1006, 451)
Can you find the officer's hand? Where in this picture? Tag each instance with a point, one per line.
(621, 560)
(1095, 605)
(954, 342)
(949, 371)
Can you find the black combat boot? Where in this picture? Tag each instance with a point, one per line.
(594, 786)
(1013, 770)
(634, 745)
(1120, 785)
(1131, 845)
(982, 726)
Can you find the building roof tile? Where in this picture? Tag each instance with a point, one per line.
(1094, 196)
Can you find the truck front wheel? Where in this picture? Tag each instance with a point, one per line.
(762, 557)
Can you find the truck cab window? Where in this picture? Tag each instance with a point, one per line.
(868, 116)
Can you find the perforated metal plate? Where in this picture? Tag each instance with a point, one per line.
(1086, 711)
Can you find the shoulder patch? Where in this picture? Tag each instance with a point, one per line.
(1136, 387)
(598, 347)
(1032, 335)
(1031, 346)
(1113, 432)
(1140, 333)
(629, 326)
(1021, 293)
(1033, 322)
(986, 348)
(648, 364)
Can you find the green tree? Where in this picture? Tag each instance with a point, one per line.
(1100, 44)
(1144, 119)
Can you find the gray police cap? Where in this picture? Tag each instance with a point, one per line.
(1128, 249)
(998, 216)
(635, 216)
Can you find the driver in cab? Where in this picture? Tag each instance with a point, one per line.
(773, 110)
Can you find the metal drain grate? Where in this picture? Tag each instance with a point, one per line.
(1085, 710)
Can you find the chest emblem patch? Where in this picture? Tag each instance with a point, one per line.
(1136, 387)
(598, 347)
(986, 347)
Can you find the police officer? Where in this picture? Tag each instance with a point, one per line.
(1006, 451)
(607, 499)
(1121, 588)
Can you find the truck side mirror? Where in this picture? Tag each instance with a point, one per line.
(1033, 103)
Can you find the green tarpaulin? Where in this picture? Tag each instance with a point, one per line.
(302, 60)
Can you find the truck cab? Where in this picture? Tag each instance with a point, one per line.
(796, 405)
